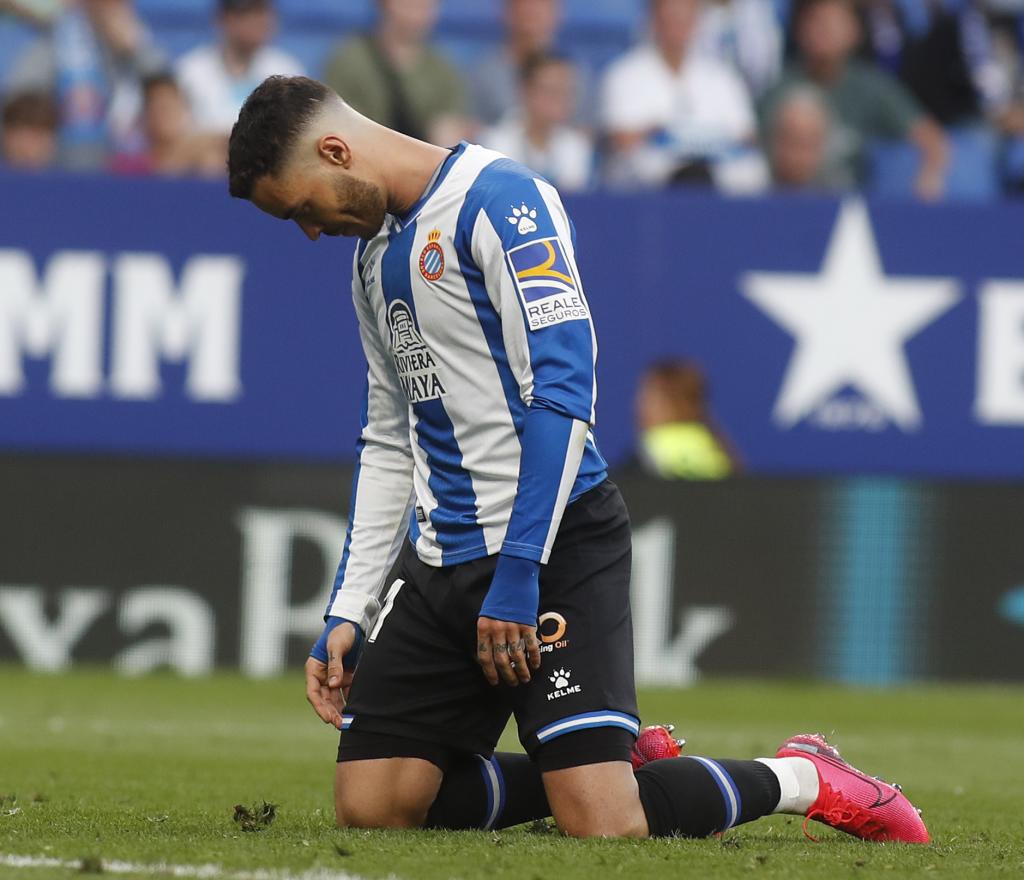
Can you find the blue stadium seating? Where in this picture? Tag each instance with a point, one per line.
(628, 16)
(14, 39)
(193, 9)
(1012, 164)
(971, 176)
(973, 167)
(300, 14)
(597, 30)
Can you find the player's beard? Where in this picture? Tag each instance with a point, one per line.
(363, 201)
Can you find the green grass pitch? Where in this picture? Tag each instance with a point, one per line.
(100, 774)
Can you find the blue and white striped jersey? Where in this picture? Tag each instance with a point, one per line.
(476, 428)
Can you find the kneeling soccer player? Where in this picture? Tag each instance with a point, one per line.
(480, 488)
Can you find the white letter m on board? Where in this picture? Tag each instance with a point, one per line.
(199, 320)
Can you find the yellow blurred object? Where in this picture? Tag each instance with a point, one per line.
(685, 451)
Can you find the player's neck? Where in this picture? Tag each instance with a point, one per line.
(411, 166)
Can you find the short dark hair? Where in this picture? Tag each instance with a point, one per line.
(31, 110)
(244, 5)
(268, 125)
(681, 381)
(801, 7)
(157, 80)
(537, 61)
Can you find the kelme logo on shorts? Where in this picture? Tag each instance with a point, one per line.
(560, 679)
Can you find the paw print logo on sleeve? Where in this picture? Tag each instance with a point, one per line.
(523, 219)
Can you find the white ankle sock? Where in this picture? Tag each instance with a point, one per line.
(798, 780)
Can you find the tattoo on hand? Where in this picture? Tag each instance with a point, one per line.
(481, 648)
(501, 649)
(517, 647)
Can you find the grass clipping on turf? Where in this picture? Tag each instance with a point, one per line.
(255, 818)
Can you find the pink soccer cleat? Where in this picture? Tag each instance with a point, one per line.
(654, 743)
(852, 801)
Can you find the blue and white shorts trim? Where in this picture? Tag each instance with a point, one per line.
(586, 720)
(730, 793)
(346, 721)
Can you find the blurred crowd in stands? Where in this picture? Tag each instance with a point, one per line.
(741, 96)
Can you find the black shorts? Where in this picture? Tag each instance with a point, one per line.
(418, 679)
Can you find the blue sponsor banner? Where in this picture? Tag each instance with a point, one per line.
(133, 380)
(156, 317)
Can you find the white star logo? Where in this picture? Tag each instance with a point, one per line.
(850, 323)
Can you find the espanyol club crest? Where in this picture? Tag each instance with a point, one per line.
(432, 257)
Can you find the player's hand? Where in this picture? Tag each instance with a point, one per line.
(506, 651)
(327, 684)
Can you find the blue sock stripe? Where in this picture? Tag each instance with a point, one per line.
(735, 791)
(585, 720)
(730, 793)
(500, 777)
(491, 786)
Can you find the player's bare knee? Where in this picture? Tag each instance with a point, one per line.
(586, 821)
(587, 817)
(596, 800)
(375, 813)
(362, 799)
(361, 818)
(385, 793)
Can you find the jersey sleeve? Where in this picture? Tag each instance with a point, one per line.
(523, 244)
(382, 487)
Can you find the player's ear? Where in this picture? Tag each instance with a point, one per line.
(334, 150)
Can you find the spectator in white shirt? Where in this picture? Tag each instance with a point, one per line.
(745, 34)
(218, 77)
(539, 132)
(676, 115)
